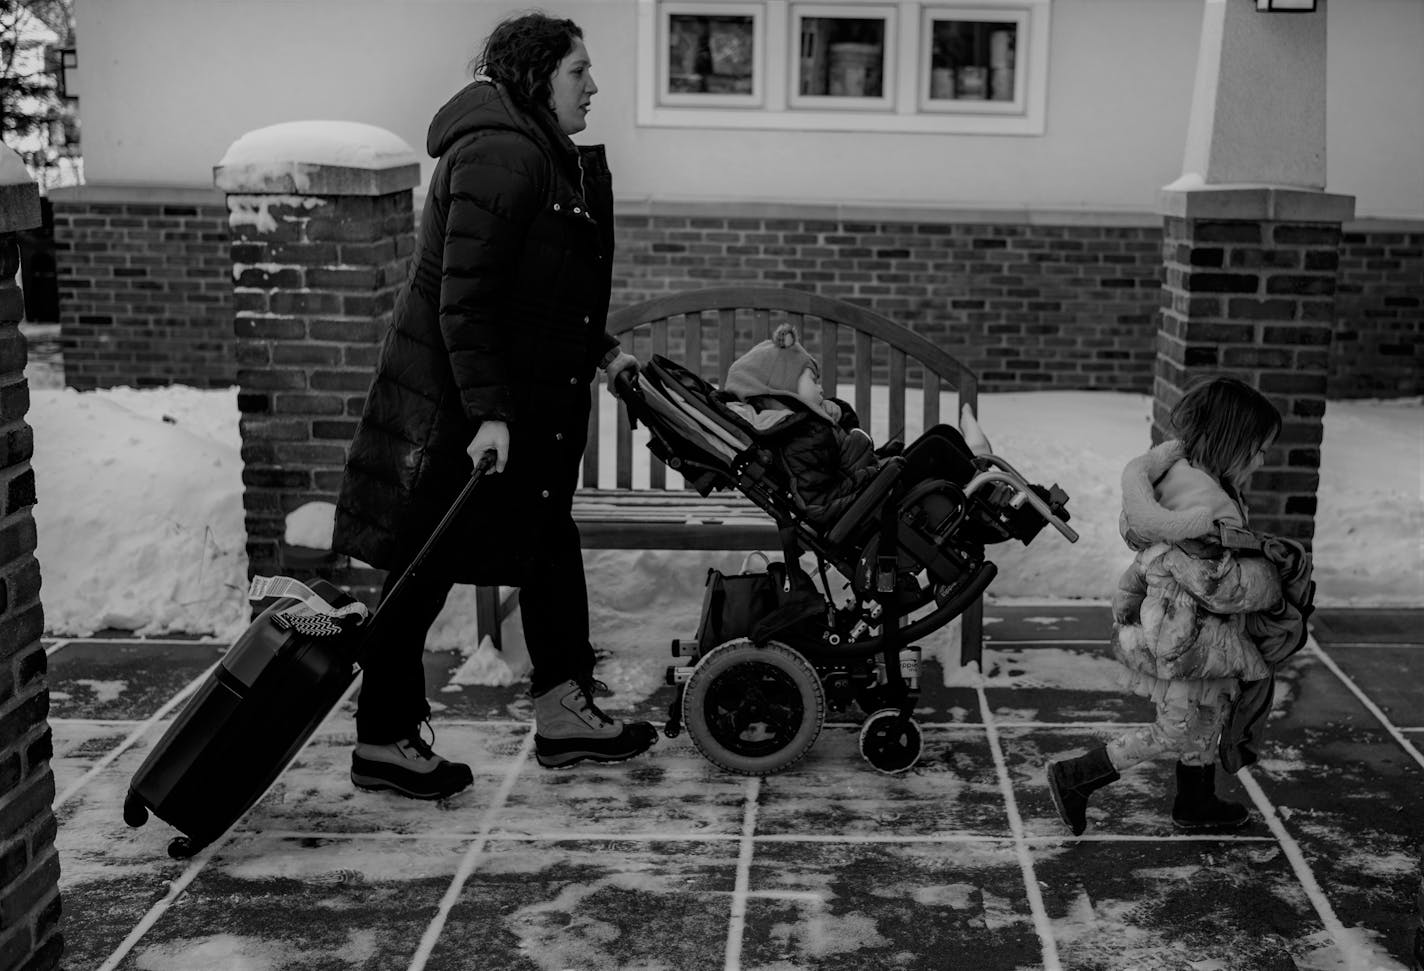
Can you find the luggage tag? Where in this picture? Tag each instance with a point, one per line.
(314, 616)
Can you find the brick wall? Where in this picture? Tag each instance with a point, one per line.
(1027, 306)
(145, 294)
(29, 865)
(1378, 349)
(1024, 307)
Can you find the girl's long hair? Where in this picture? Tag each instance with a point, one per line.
(523, 52)
(1222, 424)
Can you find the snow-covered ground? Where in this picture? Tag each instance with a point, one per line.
(141, 526)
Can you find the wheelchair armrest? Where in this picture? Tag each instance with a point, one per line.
(868, 502)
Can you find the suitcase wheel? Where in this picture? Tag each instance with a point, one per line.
(135, 812)
(181, 847)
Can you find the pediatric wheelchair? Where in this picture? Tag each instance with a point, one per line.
(773, 651)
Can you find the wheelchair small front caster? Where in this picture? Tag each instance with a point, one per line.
(135, 812)
(891, 741)
(181, 848)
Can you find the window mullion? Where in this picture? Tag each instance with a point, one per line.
(778, 61)
(907, 60)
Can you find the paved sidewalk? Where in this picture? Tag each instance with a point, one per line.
(668, 863)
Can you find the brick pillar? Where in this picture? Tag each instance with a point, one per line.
(1249, 292)
(29, 864)
(319, 251)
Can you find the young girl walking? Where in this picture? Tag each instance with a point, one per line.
(1179, 613)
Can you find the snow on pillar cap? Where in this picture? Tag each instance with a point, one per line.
(19, 196)
(328, 158)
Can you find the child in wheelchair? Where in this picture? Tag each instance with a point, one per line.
(829, 458)
(906, 527)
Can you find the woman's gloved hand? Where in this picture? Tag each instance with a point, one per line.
(621, 361)
(494, 435)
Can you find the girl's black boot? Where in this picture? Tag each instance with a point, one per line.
(1072, 781)
(1196, 806)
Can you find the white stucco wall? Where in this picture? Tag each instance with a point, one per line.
(166, 85)
(1374, 106)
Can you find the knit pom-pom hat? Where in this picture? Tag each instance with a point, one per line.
(772, 367)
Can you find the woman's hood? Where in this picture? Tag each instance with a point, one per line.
(485, 105)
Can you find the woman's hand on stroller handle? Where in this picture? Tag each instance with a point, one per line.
(622, 374)
(492, 437)
(621, 362)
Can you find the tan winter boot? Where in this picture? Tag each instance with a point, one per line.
(409, 768)
(569, 727)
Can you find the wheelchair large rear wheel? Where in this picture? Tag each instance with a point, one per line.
(753, 710)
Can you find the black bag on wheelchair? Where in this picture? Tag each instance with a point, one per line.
(759, 606)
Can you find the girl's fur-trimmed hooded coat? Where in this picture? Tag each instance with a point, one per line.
(1180, 609)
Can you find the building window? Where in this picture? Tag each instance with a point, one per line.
(845, 58)
(970, 60)
(976, 67)
(711, 55)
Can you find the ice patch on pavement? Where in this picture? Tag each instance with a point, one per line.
(104, 691)
(232, 952)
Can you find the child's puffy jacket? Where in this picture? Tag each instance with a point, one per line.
(828, 464)
(1180, 608)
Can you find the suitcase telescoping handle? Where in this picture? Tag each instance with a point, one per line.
(485, 463)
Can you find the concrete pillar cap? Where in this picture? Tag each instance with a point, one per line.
(19, 196)
(318, 158)
(1189, 198)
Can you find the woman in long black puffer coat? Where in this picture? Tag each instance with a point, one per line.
(492, 346)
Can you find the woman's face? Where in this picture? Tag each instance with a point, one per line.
(571, 89)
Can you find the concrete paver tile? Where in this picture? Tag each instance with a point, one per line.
(834, 792)
(849, 907)
(1177, 905)
(123, 679)
(303, 904)
(670, 791)
(595, 906)
(1390, 676)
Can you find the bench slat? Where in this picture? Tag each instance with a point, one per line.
(830, 361)
(623, 449)
(657, 472)
(931, 393)
(726, 343)
(896, 428)
(763, 325)
(692, 341)
(863, 364)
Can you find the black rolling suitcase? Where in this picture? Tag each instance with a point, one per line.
(249, 719)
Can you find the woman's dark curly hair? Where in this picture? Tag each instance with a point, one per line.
(523, 52)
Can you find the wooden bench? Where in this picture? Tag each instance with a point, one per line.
(706, 330)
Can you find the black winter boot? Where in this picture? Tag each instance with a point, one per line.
(1196, 806)
(1072, 781)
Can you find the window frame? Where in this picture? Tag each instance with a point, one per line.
(671, 8)
(931, 12)
(800, 12)
(774, 111)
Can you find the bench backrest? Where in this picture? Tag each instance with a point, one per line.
(706, 330)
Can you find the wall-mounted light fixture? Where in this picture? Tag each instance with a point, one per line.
(1286, 6)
